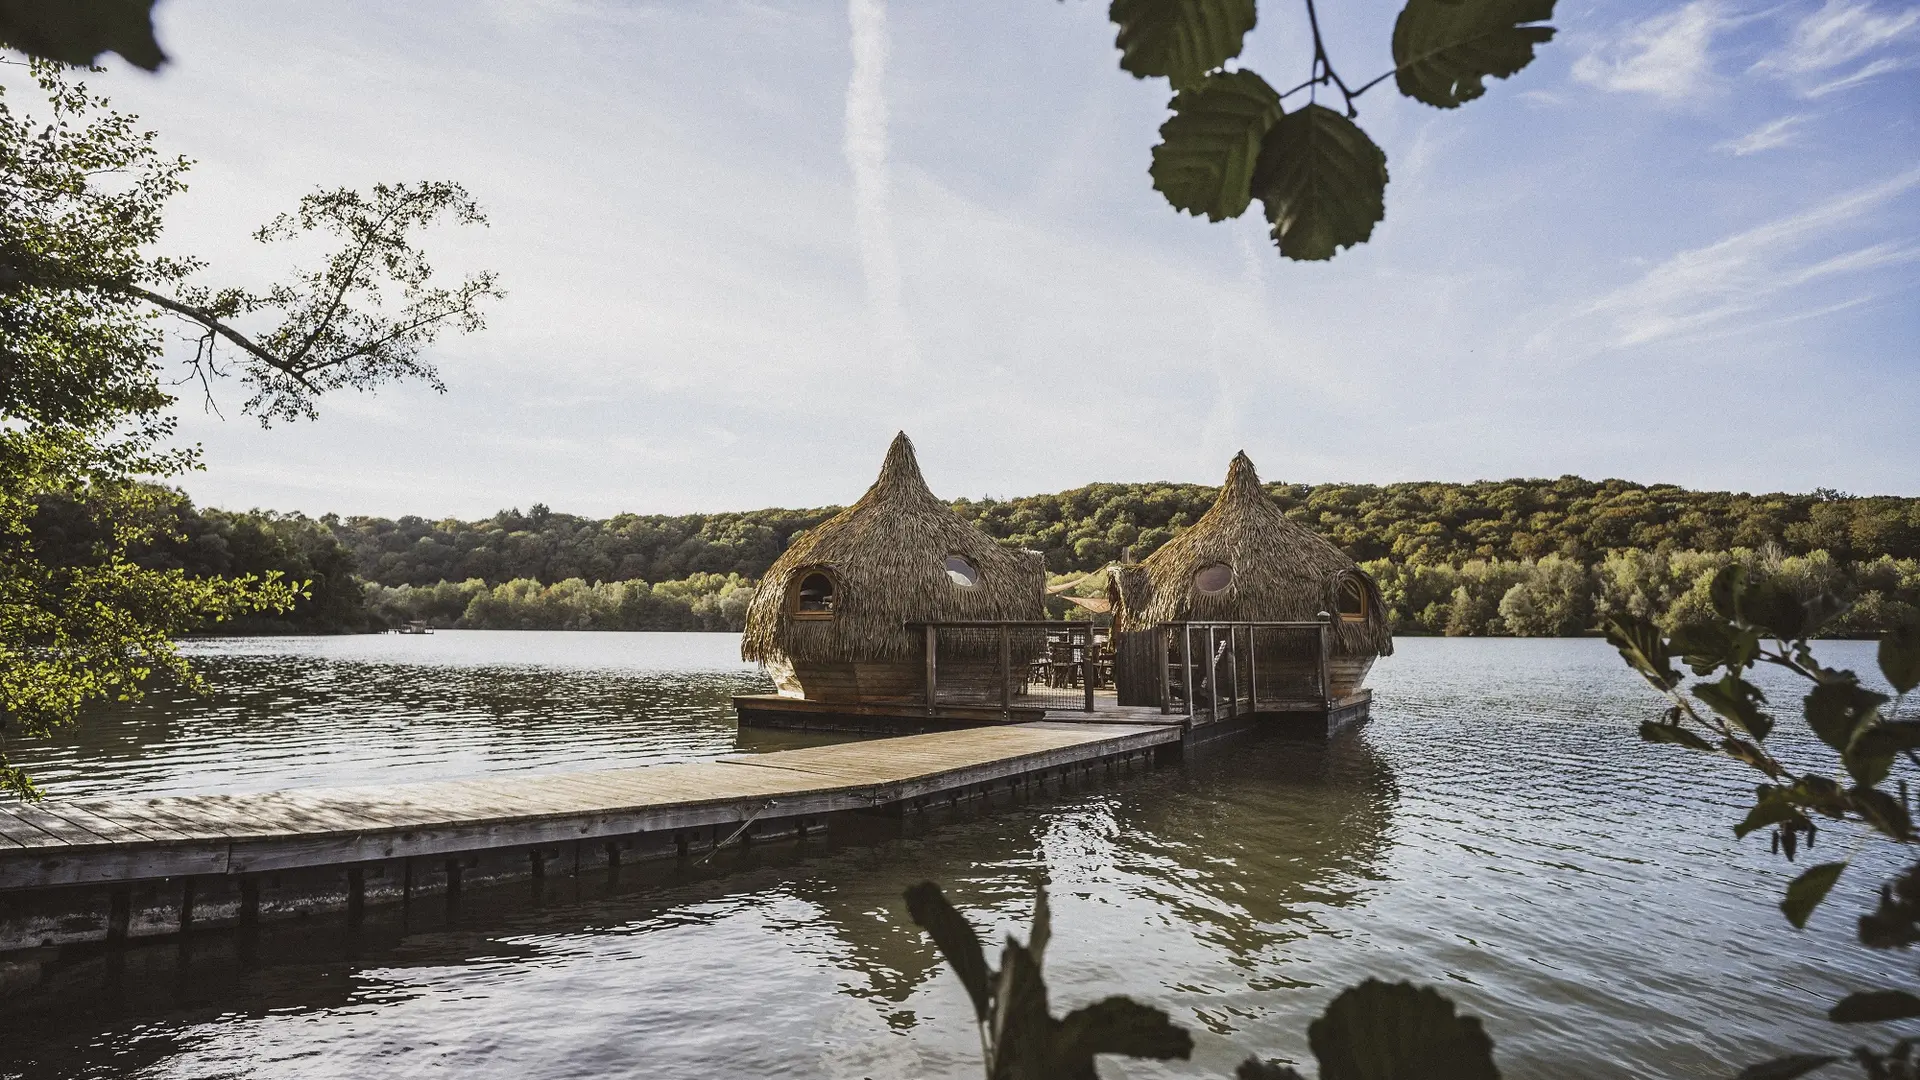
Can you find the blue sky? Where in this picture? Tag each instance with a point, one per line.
(746, 242)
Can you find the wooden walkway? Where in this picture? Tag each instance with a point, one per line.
(63, 849)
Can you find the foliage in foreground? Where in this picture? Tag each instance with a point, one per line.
(1321, 180)
(1373, 1031)
(1863, 732)
(90, 601)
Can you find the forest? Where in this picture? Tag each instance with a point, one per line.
(1527, 557)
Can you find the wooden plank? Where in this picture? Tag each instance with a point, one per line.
(56, 826)
(10, 826)
(119, 829)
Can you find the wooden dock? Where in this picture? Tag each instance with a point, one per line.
(108, 870)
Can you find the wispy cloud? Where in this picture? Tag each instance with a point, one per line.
(1769, 136)
(865, 146)
(1668, 56)
(1835, 37)
(1708, 289)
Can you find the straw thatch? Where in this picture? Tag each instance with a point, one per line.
(1281, 571)
(887, 556)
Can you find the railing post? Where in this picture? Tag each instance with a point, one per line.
(1233, 670)
(933, 665)
(1006, 672)
(1326, 690)
(1161, 648)
(1253, 669)
(1088, 667)
(1186, 666)
(1213, 676)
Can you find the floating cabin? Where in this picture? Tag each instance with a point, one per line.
(898, 615)
(836, 620)
(1294, 619)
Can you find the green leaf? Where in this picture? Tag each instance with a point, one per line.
(1900, 656)
(1874, 1006)
(1255, 1069)
(1204, 163)
(1808, 890)
(955, 938)
(1042, 927)
(77, 31)
(1116, 1025)
(1020, 1029)
(1885, 813)
(1728, 592)
(1180, 39)
(1443, 53)
(1742, 750)
(1738, 701)
(1836, 710)
(1644, 650)
(1787, 1068)
(1387, 1031)
(1323, 181)
(1771, 807)
(1656, 732)
(1707, 646)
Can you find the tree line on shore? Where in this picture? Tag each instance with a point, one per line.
(1521, 557)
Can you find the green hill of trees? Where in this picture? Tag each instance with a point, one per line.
(1510, 556)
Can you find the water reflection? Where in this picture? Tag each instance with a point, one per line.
(1497, 830)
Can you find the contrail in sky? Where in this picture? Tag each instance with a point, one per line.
(865, 145)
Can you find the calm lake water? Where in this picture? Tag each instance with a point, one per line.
(1497, 831)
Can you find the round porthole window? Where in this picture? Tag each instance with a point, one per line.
(815, 595)
(962, 572)
(1213, 578)
(1353, 600)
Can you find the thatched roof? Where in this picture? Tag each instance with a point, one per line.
(887, 556)
(1281, 571)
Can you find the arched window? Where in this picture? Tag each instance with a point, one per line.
(962, 572)
(816, 597)
(1213, 578)
(1352, 599)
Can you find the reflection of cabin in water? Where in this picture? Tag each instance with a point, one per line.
(897, 615)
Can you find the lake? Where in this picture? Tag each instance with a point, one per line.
(1497, 831)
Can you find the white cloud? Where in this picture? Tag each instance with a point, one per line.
(865, 145)
(1769, 136)
(1834, 37)
(1762, 272)
(1840, 32)
(1668, 56)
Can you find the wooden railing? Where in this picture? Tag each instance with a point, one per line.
(1192, 655)
(1011, 664)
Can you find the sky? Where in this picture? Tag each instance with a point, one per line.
(745, 243)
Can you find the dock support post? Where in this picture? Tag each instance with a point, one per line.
(1088, 668)
(1006, 672)
(933, 652)
(1161, 648)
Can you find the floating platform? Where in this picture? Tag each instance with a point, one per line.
(1297, 719)
(113, 870)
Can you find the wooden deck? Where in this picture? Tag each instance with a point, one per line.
(107, 869)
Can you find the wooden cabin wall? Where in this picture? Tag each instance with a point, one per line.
(1347, 673)
(849, 681)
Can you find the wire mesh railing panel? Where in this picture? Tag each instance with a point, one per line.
(1017, 665)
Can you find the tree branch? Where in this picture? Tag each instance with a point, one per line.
(215, 325)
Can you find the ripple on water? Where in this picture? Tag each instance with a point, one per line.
(1497, 831)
